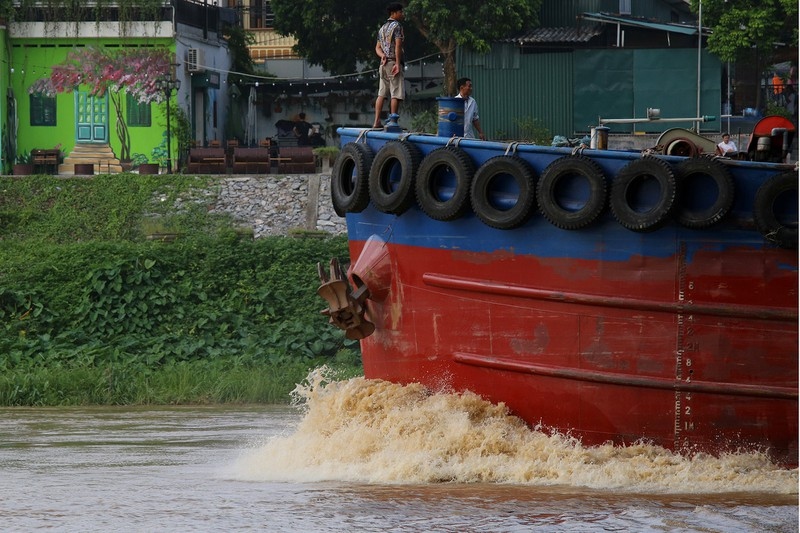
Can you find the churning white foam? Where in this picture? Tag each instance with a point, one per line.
(372, 431)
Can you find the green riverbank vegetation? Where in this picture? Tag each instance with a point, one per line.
(130, 290)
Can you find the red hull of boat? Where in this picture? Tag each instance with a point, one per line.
(629, 353)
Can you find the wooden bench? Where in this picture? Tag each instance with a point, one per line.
(296, 160)
(206, 161)
(47, 158)
(251, 160)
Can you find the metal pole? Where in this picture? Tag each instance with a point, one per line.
(699, 50)
(730, 104)
(205, 25)
(169, 141)
(706, 118)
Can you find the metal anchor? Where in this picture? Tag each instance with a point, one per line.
(345, 306)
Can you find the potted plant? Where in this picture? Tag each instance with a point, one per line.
(140, 162)
(325, 156)
(159, 154)
(23, 164)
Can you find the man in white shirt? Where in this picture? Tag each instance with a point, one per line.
(727, 148)
(472, 122)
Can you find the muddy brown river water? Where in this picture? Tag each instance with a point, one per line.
(360, 456)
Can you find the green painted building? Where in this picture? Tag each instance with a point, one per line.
(108, 130)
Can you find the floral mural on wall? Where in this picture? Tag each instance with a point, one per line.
(135, 71)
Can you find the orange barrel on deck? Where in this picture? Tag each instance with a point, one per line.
(451, 117)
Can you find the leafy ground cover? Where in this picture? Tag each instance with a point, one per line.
(95, 311)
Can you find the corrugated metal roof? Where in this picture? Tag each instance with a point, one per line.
(585, 33)
(555, 35)
(632, 21)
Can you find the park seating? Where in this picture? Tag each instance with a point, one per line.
(296, 160)
(251, 160)
(207, 160)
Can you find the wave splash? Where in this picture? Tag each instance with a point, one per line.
(373, 431)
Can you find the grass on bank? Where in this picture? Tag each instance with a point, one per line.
(195, 383)
(92, 312)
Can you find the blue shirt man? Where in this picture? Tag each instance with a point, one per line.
(472, 121)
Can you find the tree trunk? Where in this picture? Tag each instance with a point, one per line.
(122, 128)
(450, 78)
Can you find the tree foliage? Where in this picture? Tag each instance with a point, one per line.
(336, 34)
(472, 24)
(330, 33)
(241, 62)
(739, 25)
(136, 70)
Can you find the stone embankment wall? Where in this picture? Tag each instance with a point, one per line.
(275, 204)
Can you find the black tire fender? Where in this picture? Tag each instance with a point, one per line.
(488, 187)
(443, 181)
(780, 187)
(391, 177)
(571, 213)
(350, 179)
(695, 177)
(631, 199)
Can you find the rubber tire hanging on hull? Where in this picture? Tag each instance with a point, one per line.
(767, 221)
(690, 175)
(350, 179)
(444, 164)
(482, 190)
(551, 202)
(626, 185)
(391, 177)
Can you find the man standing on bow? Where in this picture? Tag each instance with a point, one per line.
(472, 121)
(390, 49)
